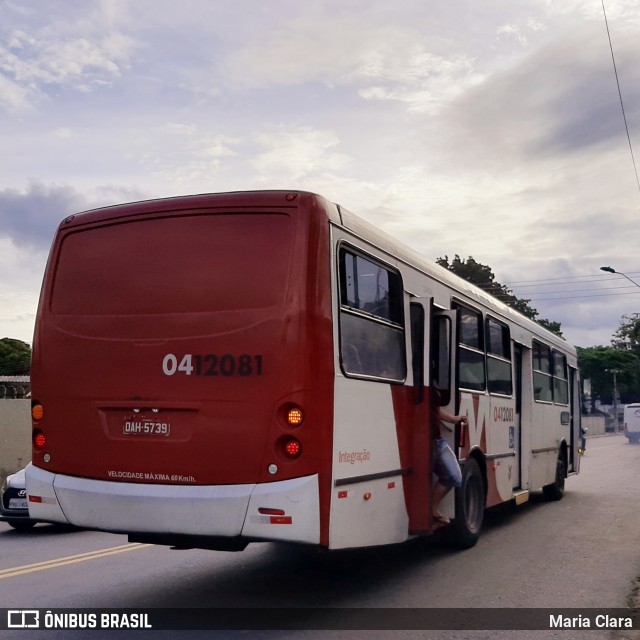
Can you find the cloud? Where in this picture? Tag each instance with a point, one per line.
(29, 218)
(555, 103)
(379, 62)
(490, 129)
(79, 55)
(296, 155)
(512, 31)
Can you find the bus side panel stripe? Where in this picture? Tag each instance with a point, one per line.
(414, 442)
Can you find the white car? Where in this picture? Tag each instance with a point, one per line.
(14, 505)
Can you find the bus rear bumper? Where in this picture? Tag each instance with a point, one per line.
(286, 510)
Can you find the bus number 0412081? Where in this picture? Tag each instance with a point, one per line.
(212, 365)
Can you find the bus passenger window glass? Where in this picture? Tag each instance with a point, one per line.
(349, 291)
(498, 340)
(542, 387)
(441, 337)
(469, 328)
(499, 374)
(542, 378)
(560, 382)
(541, 358)
(371, 349)
(369, 287)
(471, 358)
(372, 340)
(471, 369)
(559, 365)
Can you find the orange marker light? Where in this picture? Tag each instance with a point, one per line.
(37, 412)
(295, 416)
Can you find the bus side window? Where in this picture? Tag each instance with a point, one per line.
(560, 382)
(471, 360)
(542, 373)
(372, 341)
(441, 357)
(498, 341)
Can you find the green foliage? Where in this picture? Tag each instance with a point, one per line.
(15, 357)
(628, 334)
(482, 276)
(598, 364)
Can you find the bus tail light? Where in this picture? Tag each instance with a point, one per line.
(39, 439)
(292, 448)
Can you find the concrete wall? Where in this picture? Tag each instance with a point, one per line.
(594, 425)
(15, 435)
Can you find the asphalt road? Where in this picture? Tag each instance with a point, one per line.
(580, 552)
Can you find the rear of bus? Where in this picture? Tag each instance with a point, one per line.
(632, 422)
(182, 371)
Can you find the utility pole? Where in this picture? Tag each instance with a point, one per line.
(615, 372)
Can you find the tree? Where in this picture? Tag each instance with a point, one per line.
(15, 357)
(482, 276)
(628, 334)
(598, 363)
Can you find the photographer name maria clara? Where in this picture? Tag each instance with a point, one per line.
(600, 621)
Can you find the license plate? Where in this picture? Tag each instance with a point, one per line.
(142, 427)
(18, 503)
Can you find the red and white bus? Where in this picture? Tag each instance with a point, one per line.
(218, 369)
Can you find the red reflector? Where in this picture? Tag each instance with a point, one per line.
(271, 512)
(391, 485)
(35, 499)
(463, 433)
(343, 494)
(280, 520)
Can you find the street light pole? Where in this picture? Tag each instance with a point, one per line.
(612, 270)
(615, 372)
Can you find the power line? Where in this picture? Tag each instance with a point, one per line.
(594, 295)
(566, 280)
(557, 295)
(624, 115)
(559, 283)
(544, 293)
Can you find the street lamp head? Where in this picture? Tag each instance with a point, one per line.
(624, 275)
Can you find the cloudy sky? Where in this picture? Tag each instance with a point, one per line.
(489, 129)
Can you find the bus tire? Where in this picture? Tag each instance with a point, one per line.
(470, 502)
(555, 490)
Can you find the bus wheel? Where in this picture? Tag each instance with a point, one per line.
(555, 491)
(470, 503)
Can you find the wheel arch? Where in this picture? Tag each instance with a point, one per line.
(563, 454)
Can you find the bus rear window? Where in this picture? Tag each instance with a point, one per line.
(175, 264)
